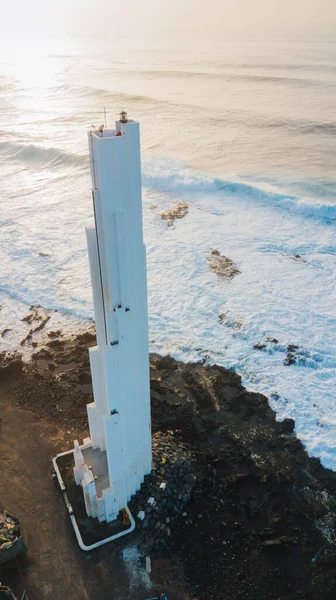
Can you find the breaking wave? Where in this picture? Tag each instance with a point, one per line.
(108, 95)
(301, 127)
(168, 177)
(261, 78)
(40, 156)
(280, 80)
(237, 117)
(281, 66)
(188, 182)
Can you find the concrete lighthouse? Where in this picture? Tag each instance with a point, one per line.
(111, 464)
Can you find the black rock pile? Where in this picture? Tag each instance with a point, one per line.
(295, 355)
(164, 493)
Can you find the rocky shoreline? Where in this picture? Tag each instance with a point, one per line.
(244, 510)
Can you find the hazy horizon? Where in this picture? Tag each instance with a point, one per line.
(210, 19)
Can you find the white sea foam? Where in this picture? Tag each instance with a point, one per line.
(286, 289)
(39, 156)
(232, 112)
(168, 175)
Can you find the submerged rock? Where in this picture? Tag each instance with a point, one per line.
(224, 267)
(177, 211)
(295, 355)
(259, 346)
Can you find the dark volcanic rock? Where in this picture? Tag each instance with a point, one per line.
(259, 346)
(245, 510)
(296, 355)
(6, 330)
(11, 365)
(287, 426)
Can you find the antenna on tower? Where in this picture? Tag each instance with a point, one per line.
(105, 117)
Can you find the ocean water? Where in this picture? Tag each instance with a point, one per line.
(244, 133)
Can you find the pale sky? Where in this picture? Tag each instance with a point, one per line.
(212, 17)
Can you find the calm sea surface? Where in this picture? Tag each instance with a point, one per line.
(263, 110)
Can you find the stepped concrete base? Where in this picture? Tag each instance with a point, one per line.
(90, 532)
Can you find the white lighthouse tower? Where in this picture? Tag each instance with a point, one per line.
(111, 464)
